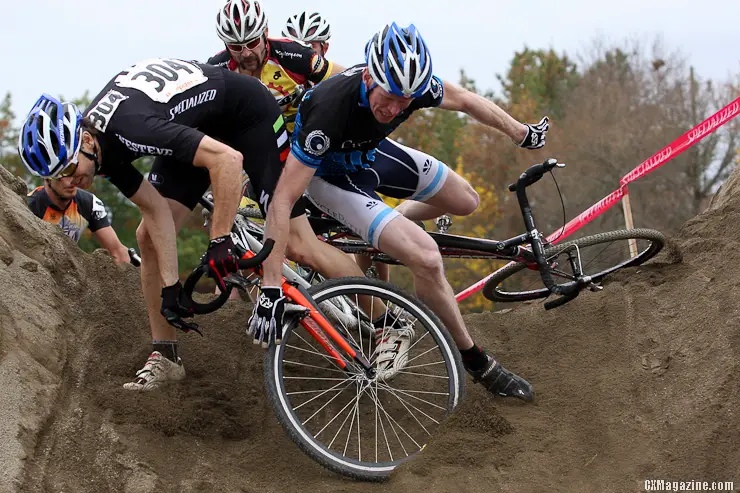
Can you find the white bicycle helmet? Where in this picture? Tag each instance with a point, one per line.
(307, 28)
(240, 21)
(50, 137)
(398, 61)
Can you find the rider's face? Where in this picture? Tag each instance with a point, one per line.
(83, 176)
(384, 105)
(249, 56)
(63, 187)
(320, 47)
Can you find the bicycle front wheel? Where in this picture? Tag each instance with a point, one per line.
(600, 254)
(354, 425)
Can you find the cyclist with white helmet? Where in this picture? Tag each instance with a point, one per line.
(312, 29)
(285, 66)
(336, 157)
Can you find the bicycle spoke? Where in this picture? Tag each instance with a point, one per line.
(327, 391)
(316, 378)
(316, 351)
(426, 364)
(392, 420)
(411, 395)
(314, 366)
(404, 402)
(433, 348)
(300, 392)
(349, 431)
(340, 429)
(335, 417)
(423, 374)
(385, 435)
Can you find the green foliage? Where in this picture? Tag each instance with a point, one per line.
(9, 139)
(537, 82)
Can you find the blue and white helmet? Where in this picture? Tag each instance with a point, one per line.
(398, 61)
(51, 137)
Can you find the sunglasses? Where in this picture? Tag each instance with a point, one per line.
(68, 171)
(71, 167)
(238, 48)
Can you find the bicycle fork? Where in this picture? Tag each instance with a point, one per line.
(313, 320)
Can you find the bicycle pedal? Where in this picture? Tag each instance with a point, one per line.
(595, 287)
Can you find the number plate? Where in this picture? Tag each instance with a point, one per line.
(162, 78)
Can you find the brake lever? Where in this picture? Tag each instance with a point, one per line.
(176, 321)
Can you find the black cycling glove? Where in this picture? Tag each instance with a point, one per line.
(175, 307)
(222, 258)
(536, 133)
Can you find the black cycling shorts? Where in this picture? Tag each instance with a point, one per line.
(263, 144)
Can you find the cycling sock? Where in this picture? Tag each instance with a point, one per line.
(474, 358)
(168, 349)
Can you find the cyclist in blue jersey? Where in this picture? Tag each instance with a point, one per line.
(337, 156)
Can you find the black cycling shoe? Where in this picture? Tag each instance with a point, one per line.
(500, 381)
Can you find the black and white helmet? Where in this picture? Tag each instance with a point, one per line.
(307, 28)
(240, 21)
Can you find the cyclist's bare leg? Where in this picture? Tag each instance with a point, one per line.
(304, 248)
(456, 197)
(404, 240)
(150, 279)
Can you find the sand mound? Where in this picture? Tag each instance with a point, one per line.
(636, 382)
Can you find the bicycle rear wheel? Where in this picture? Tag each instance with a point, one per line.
(360, 427)
(601, 255)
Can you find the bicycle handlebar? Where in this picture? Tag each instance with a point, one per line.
(134, 257)
(534, 173)
(203, 269)
(568, 290)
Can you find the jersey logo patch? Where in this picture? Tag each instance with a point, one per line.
(101, 113)
(317, 143)
(98, 208)
(436, 88)
(317, 63)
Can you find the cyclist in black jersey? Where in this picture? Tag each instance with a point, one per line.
(74, 210)
(335, 153)
(204, 125)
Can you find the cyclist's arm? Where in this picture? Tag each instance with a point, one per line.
(108, 239)
(293, 182)
(155, 212)
(483, 110)
(224, 166)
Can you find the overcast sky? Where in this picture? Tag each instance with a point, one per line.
(67, 47)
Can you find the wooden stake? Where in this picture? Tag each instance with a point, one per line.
(628, 220)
